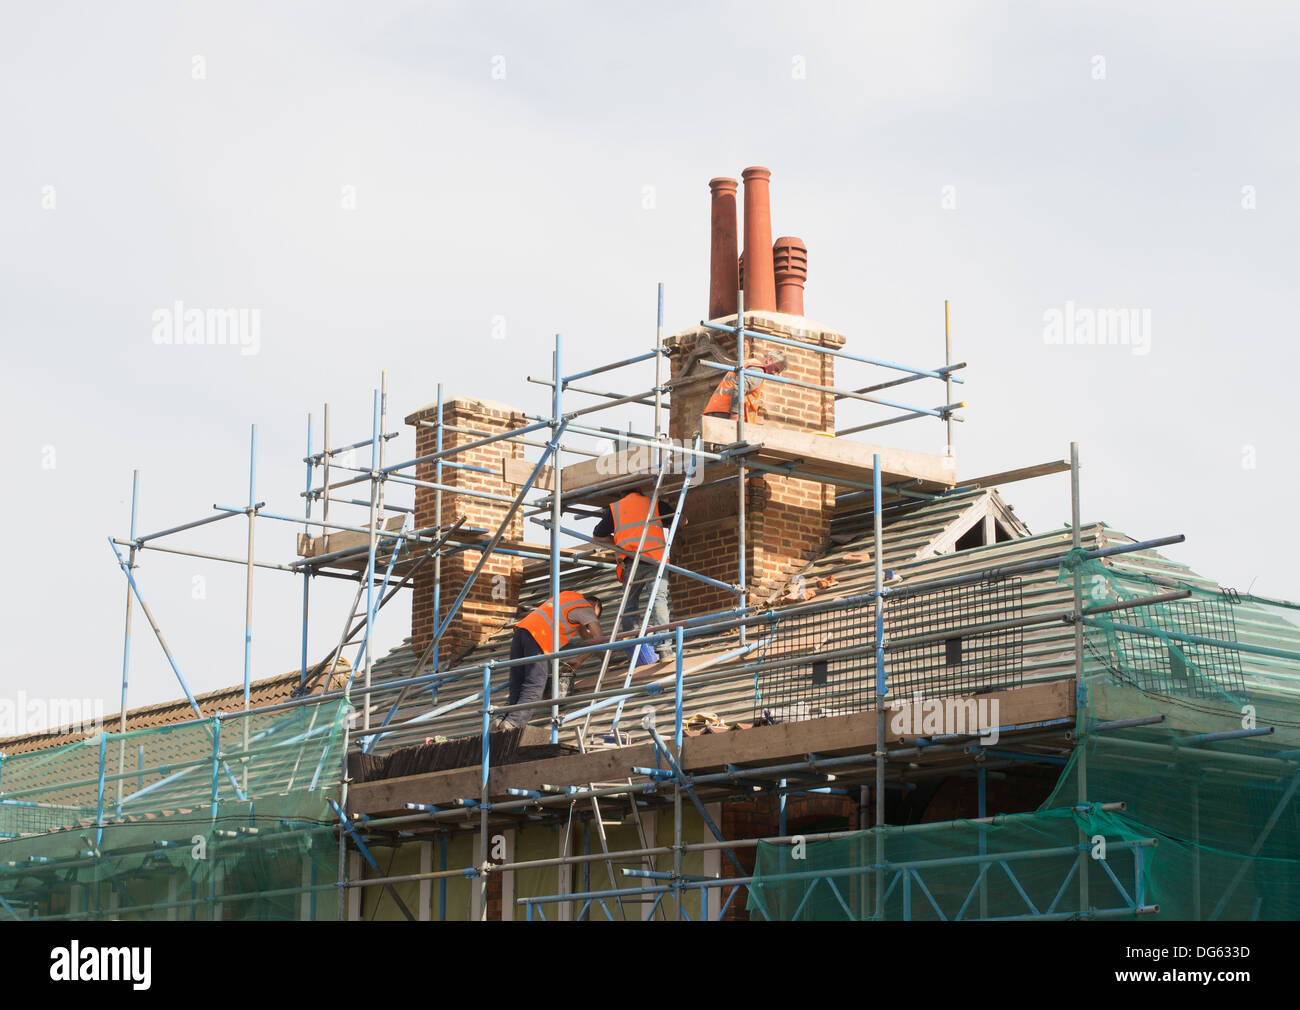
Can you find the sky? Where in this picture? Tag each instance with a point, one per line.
(438, 189)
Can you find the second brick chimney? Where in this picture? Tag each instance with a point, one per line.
(787, 520)
(493, 600)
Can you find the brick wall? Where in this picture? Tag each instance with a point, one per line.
(1024, 788)
(493, 600)
(693, 383)
(787, 520)
(495, 893)
(760, 818)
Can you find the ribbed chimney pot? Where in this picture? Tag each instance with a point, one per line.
(790, 266)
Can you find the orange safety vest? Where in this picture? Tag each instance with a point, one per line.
(540, 621)
(720, 401)
(631, 513)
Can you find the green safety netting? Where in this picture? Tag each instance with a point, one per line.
(221, 818)
(1188, 715)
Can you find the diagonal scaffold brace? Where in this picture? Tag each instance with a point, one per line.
(351, 833)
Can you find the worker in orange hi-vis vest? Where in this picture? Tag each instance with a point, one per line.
(621, 524)
(724, 401)
(579, 615)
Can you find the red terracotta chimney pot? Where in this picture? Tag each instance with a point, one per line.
(760, 291)
(790, 266)
(723, 280)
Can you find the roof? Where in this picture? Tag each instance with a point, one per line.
(1255, 624)
(267, 691)
(919, 539)
(921, 544)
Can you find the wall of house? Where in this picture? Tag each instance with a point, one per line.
(535, 842)
(422, 898)
(759, 817)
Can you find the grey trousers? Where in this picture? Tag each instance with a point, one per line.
(635, 610)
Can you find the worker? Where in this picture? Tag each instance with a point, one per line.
(723, 401)
(621, 524)
(579, 615)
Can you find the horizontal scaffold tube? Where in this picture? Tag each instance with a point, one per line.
(846, 393)
(910, 866)
(937, 373)
(707, 624)
(521, 441)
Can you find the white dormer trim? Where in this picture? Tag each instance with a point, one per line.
(988, 509)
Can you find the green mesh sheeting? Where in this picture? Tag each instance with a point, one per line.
(1189, 716)
(1028, 864)
(217, 819)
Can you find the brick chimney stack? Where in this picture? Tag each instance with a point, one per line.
(494, 599)
(787, 520)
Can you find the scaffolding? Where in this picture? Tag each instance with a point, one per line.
(955, 636)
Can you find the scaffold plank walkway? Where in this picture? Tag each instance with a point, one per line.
(836, 460)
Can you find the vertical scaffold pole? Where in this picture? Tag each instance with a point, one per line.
(442, 881)
(1081, 692)
(99, 805)
(484, 845)
(325, 477)
(739, 394)
(881, 688)
(126, 638)
(248, 587)
(1196, 850)
(437, 512)
(586, 865)
(659, 366)
(306, 569)
(343, 806)
(216, 764)
(556, 469)
(981, 810)
(377, 482)
(375, 442)
(383, 430)
(680, 635)
(947, 376)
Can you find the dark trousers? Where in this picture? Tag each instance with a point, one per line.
(527, 680)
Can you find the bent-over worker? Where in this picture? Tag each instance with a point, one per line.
(724, 401)
(579, 615)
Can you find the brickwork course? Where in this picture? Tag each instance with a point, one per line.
(787, 520)
(492, 602)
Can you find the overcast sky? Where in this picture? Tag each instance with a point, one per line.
(438, 189)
